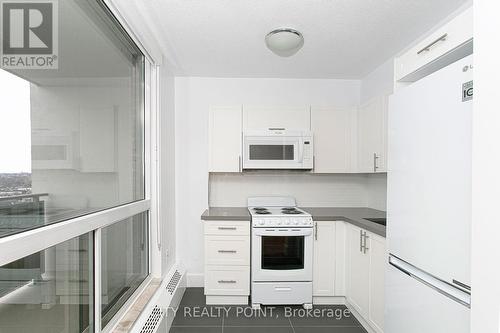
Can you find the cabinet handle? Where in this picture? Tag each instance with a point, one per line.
(227, 251)
(360, 240)
(316, 230)
(226, 281)
(227, 228)
(365, 247)
(428, 47)
(375, 158)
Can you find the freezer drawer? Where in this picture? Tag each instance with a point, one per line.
(414, 307)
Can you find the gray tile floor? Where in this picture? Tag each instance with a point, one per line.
(194, 315)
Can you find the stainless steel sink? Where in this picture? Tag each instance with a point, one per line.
(378, 220)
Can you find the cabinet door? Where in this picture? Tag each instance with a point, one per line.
(372, 136)
(358, 264)
(225, 139)
(324, 259)
(333, 141)
(422, 59)
(291, 118)
(378, 256)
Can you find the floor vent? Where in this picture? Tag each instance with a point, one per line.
(153, 321)
(174, 281)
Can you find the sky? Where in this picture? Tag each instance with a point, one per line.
(15, 124)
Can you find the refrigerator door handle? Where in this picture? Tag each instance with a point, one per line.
(456, 294)
(461, 285)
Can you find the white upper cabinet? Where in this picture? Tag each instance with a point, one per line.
(334, 147)
(446, 45)
(290, 118)
(225, 139)
(372, 136)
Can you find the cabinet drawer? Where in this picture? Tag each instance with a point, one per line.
(227, 228)
(227, 280)
(444, 40)
(225, 250)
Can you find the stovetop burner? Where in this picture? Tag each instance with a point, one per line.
(288, 208)
(262, 212)
(291, 212)
(259, 208)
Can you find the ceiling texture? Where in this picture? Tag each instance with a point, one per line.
(344, 39)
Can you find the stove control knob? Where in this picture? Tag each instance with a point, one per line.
(296, 222)
(261, 222)
(278, 222)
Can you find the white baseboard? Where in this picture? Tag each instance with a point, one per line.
(329, 300)
(195, 280)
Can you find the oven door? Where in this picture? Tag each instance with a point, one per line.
(272, 152)
(282, 254)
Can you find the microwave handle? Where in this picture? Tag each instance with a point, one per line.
(301, 151)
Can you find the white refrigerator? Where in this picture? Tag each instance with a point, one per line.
(429, 203)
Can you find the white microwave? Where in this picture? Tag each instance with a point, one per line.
(277, 148)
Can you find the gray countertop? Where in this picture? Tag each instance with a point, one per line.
(353, 215)
(226, 214)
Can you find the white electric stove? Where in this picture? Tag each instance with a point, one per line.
(282, 252)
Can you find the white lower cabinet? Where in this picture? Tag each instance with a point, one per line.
(227, 280)
(227, 262)
(324, 259)
(377, 282)
(358, 266)
(365, 275)
(329, 262)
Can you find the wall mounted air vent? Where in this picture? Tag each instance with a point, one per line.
(154, 320)
(174, 281)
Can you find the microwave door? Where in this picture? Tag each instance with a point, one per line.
(278, 153)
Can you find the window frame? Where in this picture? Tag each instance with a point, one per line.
(22, 244)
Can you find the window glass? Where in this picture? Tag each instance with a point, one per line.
(124, 262)
(49, 291)
(72, 138)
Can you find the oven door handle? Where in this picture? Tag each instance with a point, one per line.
(283, 232)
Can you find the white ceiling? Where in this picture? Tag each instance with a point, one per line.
(343, 38)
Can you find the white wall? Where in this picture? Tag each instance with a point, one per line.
(310, 190)
(167, 168)
(379, 82)
(193, 97)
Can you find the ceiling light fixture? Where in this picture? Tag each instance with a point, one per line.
(284, 42)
